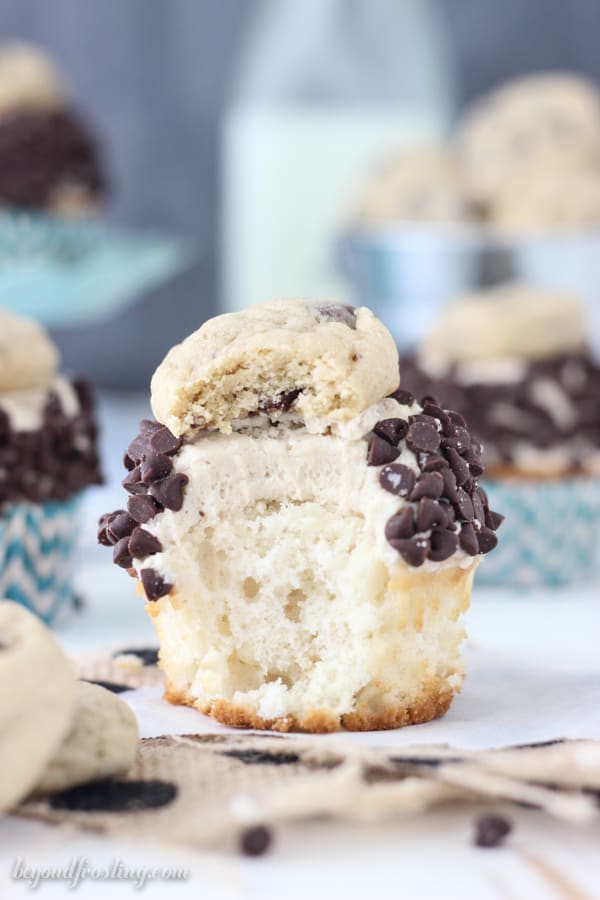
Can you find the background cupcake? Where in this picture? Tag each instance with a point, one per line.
(49, 160)
(47, 456)
(515, 362)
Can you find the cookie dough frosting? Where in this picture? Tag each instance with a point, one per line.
(305, 532)
(48, 158)
(47, 426)
(514, 361)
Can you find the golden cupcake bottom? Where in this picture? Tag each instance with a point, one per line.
(391, 660)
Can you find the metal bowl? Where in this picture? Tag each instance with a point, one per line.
(406, 273)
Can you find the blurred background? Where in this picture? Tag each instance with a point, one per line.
(218, 120)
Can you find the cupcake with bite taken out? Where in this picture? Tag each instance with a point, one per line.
(514, 360)
(304, 532)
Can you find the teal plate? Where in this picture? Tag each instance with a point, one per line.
(68, 274)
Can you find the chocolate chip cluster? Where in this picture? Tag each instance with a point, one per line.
(448, 509)
(153, 487)
(55, 461)
(508, 415)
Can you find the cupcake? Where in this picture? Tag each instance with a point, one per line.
(47, 456)
(515, 360)
(49, 160)
(304, 532)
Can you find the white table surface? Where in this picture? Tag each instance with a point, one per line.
(533, 666)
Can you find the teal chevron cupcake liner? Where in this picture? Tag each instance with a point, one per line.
(551, 533)
(37, 553)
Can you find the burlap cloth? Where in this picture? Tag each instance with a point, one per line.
(221, 783)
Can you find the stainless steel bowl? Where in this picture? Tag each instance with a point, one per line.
(407, 273)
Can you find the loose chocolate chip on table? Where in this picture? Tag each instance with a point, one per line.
(422, 436)
(147, 655)
(169, 491)
(404, 398)
(142, 508)
(468, 539)
(430, 513)
(154, 584)
(255, 840)
(486, 539)
(113, 686)
(413, 551)
(391, 430)
(491, 830)
(401, 525)
(430, 484)
(381, 452)
(142, 543)
(121, 555)
(443, 544)
(164, 441)
(397, 479)
(111, 795)
(336, 313)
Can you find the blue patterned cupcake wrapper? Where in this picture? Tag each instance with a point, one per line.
(37, 554)
(551, 533)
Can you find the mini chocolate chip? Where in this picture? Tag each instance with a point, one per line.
(133, 481)
(436, 412)
(164, 441)
(103, 537)
(154, 584)
(147, 655)
(462, 439)
(491, 830)
(128, 462)
(476, 469)
(149, 426)
(281, 403)
(450, 487)
(464, 505)
(156, 466)
(458, 465)
(421, 417)
(486, 539)
(404, 398)
(255, 840)
(422, 436)
(493, 519)
(430, 513)
(478, 507)
(400, 526)
(430, 400)
(380, 452)
(116, 796)
(169, 491)
(456, 418)
(120, 525)
(430, 484)
(121, 555)
(431, 462)
(468, 539)
(397, 479)
(391, 430)
(142, 544)
(142, 508)
(113, 686)
(413, 551)
(333, 312)
(443, 544)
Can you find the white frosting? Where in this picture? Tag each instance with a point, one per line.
(25, 408)
(232, 475)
